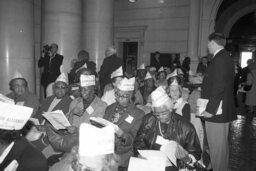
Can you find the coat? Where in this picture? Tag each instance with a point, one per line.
(218, 85)
(179, 130)
(110, 64)
(51, 71)
(251, 94)
(27, 156)
(124, 146)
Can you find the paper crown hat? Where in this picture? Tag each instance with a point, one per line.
(96, 141)
(87, 80)
(117, 73)
(142, 66)
(126, 84)
(17, 75)
(159, 97)
(62, 78)
(161, 69)
(152, 69)
(14, 117)
(148, 76)
(84, 66)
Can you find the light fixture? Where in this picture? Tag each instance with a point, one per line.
(132, 1)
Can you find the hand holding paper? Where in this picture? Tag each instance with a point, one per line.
(57, 119)
(201, 106)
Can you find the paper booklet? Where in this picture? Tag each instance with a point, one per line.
(201, 106)
(5, 99)
(57, 119)
(103, 122)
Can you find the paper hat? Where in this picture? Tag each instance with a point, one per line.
(161, 69)
(14, 117)
(159, 97)
(95, 141)
(148, 76)
(142, 66)
(117, 73)
(179, 71)
(84, 66)
(126, 84)
(87, 80)
(62, 78)
(17, 75)
(175, 83)
(152, 69)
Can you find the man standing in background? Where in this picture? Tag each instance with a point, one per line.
(218, 86)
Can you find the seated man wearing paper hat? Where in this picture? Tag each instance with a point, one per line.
(127, 117)
(161, 78)
(109, 90)
(20, 93)
(16, 153)
(96, 151)
(163, 126)
(60, 100)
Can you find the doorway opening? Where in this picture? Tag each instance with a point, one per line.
(130, 57)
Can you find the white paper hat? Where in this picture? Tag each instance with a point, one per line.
(173, 74)
(161, 69)
(95, 141)
(14, 117)
(159, 97)
(148, 76)
(62, 78)
(179, 71)
(17, 75)
(87, 80)
(142, 66)
(152, 69)
(84, 66)
(117, 73)
(126, 84)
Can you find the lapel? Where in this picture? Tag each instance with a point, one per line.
(61, 103)
(16, 153)
(128, 112)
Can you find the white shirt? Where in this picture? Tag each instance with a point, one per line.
(217, 51)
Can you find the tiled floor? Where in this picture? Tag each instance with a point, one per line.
(243, 144)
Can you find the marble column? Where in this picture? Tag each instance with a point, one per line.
(61, 24)
(17, 42)
(97, 28)
(193, 33)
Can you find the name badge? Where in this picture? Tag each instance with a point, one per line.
(160, 140)
(129, 119)
(89, 110)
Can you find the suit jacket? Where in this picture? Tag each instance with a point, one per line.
(109, 65)
(218, 85)
(62, 105)
(51, 69)
(129, 122)
(27, 156)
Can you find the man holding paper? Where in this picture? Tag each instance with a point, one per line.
(217, 88)
(126, 118)
(169, 132)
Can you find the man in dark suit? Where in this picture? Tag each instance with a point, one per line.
(110, 64)
(218, 86)
(50, 61)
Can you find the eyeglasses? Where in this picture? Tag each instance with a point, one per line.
(123, 96)
(161, 114)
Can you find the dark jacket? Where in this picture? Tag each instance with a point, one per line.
(178, 130)
(124, 146)
(51, 71)
(27, 156)
(109, 65)
(218, 84)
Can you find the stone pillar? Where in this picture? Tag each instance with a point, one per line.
(193, 33)
(16, 42)
(97, 28)
(61, 24)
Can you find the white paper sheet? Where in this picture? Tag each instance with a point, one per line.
(201, 106)
(13, 117)
(153, 160)
(169, 150)
(5, 99)
(104, 122)
(57, 119)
